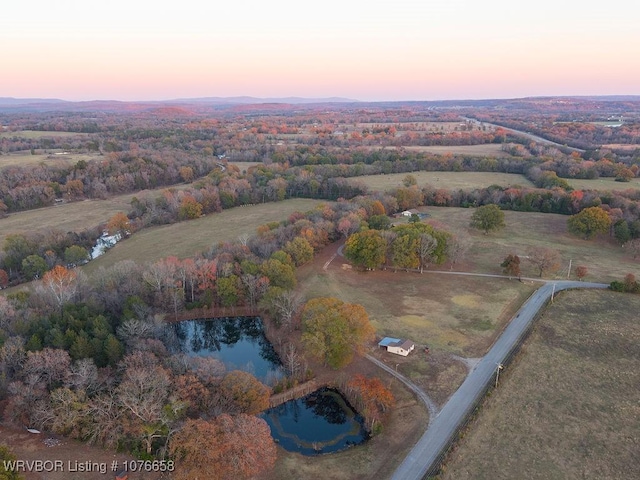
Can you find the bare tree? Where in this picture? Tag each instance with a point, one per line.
(83, 376)
(7, 313)
(286, 304)
(48, 366)
(65, 412)
(12, 357)
(106, 426)
(143, 394)
(634, 247)
(456, 250)
(544, 259)
(292, 362)
(243, 239)
(256, 286)
(426, 246)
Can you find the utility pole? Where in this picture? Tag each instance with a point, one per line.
(500, 367)
(569, 272)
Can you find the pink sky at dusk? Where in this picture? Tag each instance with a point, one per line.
(374, 50)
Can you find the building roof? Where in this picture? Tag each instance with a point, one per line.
(386, 341)
(407, 345)
(396, 342)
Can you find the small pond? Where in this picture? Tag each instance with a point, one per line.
(238, 342)
(321, 422)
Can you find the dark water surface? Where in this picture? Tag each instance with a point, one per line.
(238, 342)
(321, 422)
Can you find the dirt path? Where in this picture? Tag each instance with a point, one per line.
(422, 395)
(65, 459)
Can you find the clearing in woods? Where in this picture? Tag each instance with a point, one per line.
(446, 180)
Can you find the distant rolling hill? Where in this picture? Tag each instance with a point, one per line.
(9, 104)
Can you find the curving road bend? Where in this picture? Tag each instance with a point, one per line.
(422, 395)
(442, 428)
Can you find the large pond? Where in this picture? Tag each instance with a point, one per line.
(321, 422)
(238, 342)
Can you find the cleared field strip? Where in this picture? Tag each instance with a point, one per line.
(40, 134)
(185, 239)
(484, 150)
(603, 184)
(19, 159)
(466, 180)
(446, 180)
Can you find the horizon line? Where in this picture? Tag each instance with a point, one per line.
(310, 99)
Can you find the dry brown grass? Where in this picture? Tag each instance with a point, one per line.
(31, 134)
(450, 313)
(446, 180)
(568, 406)
(244, 166)
(22, 159)
(603, 257)
(68, 217)
(74, 216)
(483, 150)
(604, 184)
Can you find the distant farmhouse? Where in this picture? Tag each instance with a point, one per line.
(397, 345)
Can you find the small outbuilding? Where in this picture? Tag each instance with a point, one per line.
(397, 345)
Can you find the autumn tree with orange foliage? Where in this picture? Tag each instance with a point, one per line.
(189, 208)
(373, 399)
(238, 447)
(241, 392)
(60, 283)
(119, 223)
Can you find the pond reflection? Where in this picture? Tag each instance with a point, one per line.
(238, 342)
(321, 422)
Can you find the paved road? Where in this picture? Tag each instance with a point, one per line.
(437, 437)
(531, 136)
(430, 404)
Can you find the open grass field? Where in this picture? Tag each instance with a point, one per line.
(66, 217)
(604, 184)
(623, 146)
(69, 217)
(40, 134)
(483, 150)
(567, 407)
(446, 180)
(22, 159)
(603, 257)
(185, 239)
(451, 314)
(244, 166)
(73, 216)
